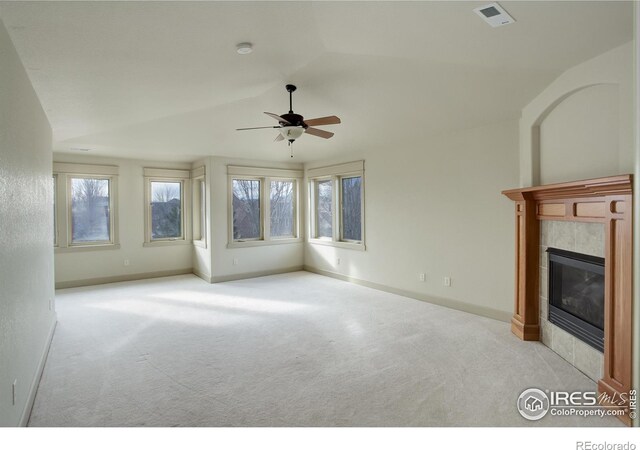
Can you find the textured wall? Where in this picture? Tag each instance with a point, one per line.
(26, 223)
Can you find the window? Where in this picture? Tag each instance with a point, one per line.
(282, 209)
(166, 210)
(323, 211)
(90, 210)
(351, 191)
(165, 219)
(337, 205)
(246, 210)
(263, 206)
(84, 206)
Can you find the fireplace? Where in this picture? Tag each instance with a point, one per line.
(576, 295)
(609, 201)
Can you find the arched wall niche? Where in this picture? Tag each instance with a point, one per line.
(598, 89)
(578, 135)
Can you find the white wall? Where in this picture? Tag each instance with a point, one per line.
(202, 255)
(104, 264)
(579, 137)
(581, 126)
(26, 221)
(251, 260)
(435, 207)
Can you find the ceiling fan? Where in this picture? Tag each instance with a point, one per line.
(292, 125)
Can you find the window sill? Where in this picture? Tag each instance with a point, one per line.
(200, 243)
(86, 248)
(165, 243)
(260, 243)
(339, 244)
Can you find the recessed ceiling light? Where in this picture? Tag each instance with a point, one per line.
(244, 48)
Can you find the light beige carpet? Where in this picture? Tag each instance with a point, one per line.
(289, 350)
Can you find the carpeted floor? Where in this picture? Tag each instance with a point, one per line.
(289, 350)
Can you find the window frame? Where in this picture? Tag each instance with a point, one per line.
(55, 210)
(70, 242)
(294, 197)
(199, 207)
(341, 215)
(315, 203)
(336, 174)
(265, 176)
(261, 201)
(63, 173)
(167, 176)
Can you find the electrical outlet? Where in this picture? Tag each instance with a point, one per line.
(235, 261)
(13, 392)
(447, 281)
(422, 276)
(127, 262)
(337, 261)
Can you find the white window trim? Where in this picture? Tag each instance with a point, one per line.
(335, 173)
(199, 215)
(63, 172)
(265, 176)
(168, 176)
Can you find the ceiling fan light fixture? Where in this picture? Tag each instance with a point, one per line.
(244, 48)
(291, 133)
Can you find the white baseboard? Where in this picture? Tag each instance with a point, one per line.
(205, 277)
(491, 313)
(119, 278)
(33, 389)
(262, 273)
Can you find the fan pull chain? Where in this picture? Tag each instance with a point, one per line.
(291, 148)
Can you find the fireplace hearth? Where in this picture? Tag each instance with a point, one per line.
(576, 295)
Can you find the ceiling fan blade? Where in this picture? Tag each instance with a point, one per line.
(277, 117)
(255, 128)
(329, 120)
(319, 133)
(279, 138)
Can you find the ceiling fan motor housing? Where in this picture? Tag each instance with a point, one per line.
(294, 119)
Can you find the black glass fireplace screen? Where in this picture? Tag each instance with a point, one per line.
(576, 295)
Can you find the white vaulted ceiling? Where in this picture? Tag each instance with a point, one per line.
(162, 80)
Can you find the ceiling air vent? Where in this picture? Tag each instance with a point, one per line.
(494, 15)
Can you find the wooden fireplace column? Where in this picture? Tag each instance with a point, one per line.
(604, 200)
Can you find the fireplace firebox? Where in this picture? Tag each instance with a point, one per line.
(576, 295)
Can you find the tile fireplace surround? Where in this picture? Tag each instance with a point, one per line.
(582, 237)
(583, 204)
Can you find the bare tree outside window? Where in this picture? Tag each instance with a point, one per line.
(351, 209)
(246, 209)
(166, 210)
(281, 209)
(90, 210)
(323, 213)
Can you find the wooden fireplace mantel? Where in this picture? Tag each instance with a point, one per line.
(605, 200)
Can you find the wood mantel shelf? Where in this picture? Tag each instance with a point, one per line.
(605, 200)
(599, 187)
